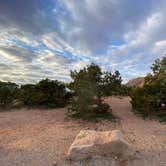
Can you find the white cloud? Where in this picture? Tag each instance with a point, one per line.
(81, 31)
(160, 47)
(81, 64)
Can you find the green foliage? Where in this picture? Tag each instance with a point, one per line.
(111, 83)
(124, 91)
(87, 87)
(49, 93)
(8, 93)
(29, 95)
(150, 100)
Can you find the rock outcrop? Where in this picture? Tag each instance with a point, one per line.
(136, 82)
(89, 143)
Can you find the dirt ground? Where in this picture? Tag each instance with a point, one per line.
(41, 137)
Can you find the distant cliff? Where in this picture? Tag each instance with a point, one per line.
(136, 82)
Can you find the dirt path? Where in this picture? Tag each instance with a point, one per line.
(40, 137)
(148, 137)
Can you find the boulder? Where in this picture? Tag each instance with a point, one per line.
(89, 143)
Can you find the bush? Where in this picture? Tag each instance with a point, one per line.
(103, 108)
(29, 95)
(46, 93)
(111, 83)
(150, 100)
(87, 88)
(8, 93)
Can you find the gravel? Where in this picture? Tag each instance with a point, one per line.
(42, 137)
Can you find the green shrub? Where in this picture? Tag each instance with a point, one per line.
(46, 93)
(8, 93)
(103, 108)
(87, 88)
(111, 83)
(150, 100)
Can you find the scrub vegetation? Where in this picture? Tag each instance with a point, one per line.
(86, 92)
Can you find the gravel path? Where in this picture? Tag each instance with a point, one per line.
(42, 137)
(148, 137)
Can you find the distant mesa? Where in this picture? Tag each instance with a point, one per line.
(136, 82)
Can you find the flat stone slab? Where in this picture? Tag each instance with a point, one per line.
(89, 143)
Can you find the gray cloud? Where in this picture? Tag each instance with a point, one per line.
(36, 33)
(28, 16)
(95, 24)
(17, 53)
(22, 65)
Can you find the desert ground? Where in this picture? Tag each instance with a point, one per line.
(42, 137)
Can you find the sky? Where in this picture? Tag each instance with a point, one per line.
(48, 38)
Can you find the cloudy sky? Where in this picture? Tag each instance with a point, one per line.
(48, 38)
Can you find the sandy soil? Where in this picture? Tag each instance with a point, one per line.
(147, 137)
(41, 137)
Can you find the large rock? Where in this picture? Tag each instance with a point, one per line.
(89, 143)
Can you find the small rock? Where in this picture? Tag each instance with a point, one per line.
(115, 157)
(54, 163)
